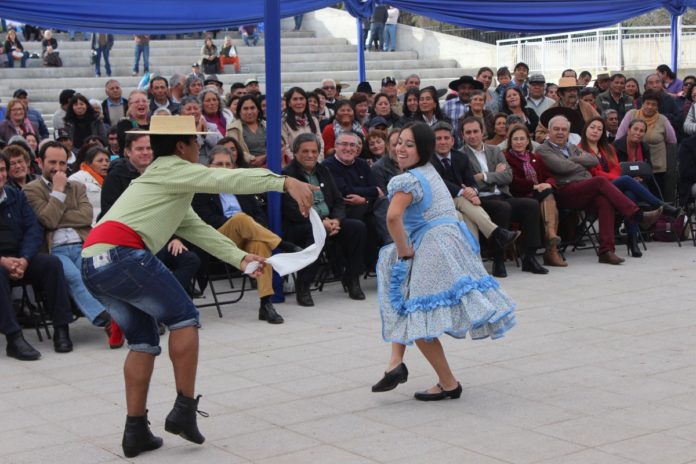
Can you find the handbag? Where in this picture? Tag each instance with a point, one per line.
(669, 229)
(93, 57)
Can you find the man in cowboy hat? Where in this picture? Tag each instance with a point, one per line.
(121, 271)
(568, 97)
(457, 107)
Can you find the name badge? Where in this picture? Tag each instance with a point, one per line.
(101, 260)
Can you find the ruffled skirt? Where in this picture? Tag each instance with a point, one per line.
(443, 289)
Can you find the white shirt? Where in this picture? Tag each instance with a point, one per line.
(481, 158)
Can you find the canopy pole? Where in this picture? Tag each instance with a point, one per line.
(272, 55)
(361, 51)
(675, 23)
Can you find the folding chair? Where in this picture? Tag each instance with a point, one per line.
(35, 309)
(221, 279)
(584, 229)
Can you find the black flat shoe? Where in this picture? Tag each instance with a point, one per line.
(530, 264)
(268, 313)
(441, 395)
(61, 340)
(499, 269)
(504, 238)
(391, 379)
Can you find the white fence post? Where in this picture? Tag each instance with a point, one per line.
(543, 55)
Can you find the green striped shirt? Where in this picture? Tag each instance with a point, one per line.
(157, 205)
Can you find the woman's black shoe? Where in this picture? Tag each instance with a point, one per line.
(182, 419)
(137, 436)
(633, 246)
(671, 211)
(391, 379)
(441, 395)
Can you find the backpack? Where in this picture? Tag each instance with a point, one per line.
(668, 229)
(53, 60)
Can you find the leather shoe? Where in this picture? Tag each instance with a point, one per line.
(671, 211)
(391, 379)
(303, 294)
(19, 348)
(504, 238)
(352, 286)
(499, 269)
(609, 257)
(441, 395)
(61, 340)
(530, 264)
(268, 313)
(650, 218)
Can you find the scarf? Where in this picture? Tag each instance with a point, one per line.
(529, 172)
(301, 121)
(24, 128)
(355, 127)
(650, 121)
(98, 177)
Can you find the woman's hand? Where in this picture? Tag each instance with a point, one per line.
(406, 253)
(258, 161)
(250, 259)
(176, 247)
(541, 187)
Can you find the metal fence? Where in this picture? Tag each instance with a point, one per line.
(598, 50)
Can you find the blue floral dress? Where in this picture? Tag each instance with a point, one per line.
(444, 288)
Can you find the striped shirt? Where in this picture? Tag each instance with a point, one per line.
(157, 205)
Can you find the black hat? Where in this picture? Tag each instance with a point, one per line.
(574, 117)
(454, 85)
(19, 93)
(212, 79)
(196, 65)
(377, 121)
(365, 87)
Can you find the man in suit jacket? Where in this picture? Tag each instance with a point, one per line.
(349, 234)
(493, 176)
(577, 189)
(453, 166)
(240, 218)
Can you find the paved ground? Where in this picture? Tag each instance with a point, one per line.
(600, 369)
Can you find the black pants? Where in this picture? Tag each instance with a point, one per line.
(524, 211)
(365, 214)
(45, 272)
(184, 266)
(350, 240)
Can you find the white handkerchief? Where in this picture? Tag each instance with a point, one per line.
(286, 263)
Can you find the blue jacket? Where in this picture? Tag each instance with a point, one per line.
(19, 216)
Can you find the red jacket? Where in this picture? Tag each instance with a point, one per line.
(613, 172)
(521, 186)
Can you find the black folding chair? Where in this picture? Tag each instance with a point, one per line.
(221, 278)
(36, 309)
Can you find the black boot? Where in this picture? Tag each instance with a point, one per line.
(352, 286)
(499, 268)
(137, 436)
(61, 340)
(303, 294)
(268, 313)
(182, 419)
(530, 264)
(632, 243)
(19, 348)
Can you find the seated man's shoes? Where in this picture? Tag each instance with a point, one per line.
(391, 379)
(137, 436)
(19, 348)
(504, 238)
(609, 257)
(499, 269)
(182, 419)
(61, 340)
(530, 264)
(650, 218)
(441, 395)
(303, 294)
(268, 313)
(352, 286)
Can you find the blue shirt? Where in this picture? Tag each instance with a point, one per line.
(455, 109)
(230, 204)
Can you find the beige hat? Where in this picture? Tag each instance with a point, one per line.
(568, 83)
(171, 125)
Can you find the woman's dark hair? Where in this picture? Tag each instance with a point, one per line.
(290, 116)
(92, 153)
(340, 104)
(490, 123)
(408, 93)
(165, 145)
(632, 79)
(245, 98)
(483, 70)
(425, 141)
(523, 101)
(638, 121)
(82, 153)
(391, 116)
(602, 144)
(357, 98)
(519, 127)
(94, 139)
(663, 68)
(433, 92)
(319, 91)
(70, 115)
(241, 162)
(653, 95)
(190, 80)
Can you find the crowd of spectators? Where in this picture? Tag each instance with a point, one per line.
(519, 155)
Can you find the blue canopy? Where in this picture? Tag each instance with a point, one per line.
(167, 16)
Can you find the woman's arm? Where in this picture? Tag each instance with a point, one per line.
(395, 224)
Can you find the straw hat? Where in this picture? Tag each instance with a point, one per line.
(568, 83)
(171, 125)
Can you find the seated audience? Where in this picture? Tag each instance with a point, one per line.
(297, 119)
(159, 96)
(249, 129)
(228, 55)
(114, 106)
(343, 121)
(19, 173)
(569, 98)
(536, 99)
(93, 169)
(50, 56)
(409, 109)
(477, 109)
(16, 121)
(191, 106)
(137, 116)
(81, 121)
(514, 103)
(209, 57)
(382, 107)
(376, 145)
(497, 132)
(429, 107)
(14, 50)
(383, 170)
(212, 109)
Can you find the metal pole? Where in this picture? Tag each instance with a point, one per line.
(619, 47)
(272, 55)
(675, 32)
(568, 44)
(361, 51)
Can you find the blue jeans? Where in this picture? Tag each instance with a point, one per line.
(636, 192)
(251, 38)
(376, 36)
(69, 256)
(97, 63)
(11, 59)
(389, 37)
(143, 50)
(298, 21)
(139, 291)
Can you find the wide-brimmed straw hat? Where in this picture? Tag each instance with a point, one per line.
(568, 83)
(171, 125)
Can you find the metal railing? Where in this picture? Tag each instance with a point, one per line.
(598, 50)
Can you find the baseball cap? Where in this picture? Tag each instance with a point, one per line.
(388, 81)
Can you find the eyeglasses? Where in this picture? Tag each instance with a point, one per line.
(347, 144)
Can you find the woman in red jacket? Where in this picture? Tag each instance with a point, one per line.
(594, 141)
(531, 178)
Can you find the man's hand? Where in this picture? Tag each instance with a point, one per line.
(478, 177)
(250, 258)
(60, 180)
(301, 192)
(15, 266)
(500, 167)
(332, 226)
(176, 247)
(470, 194)
(354, 199)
